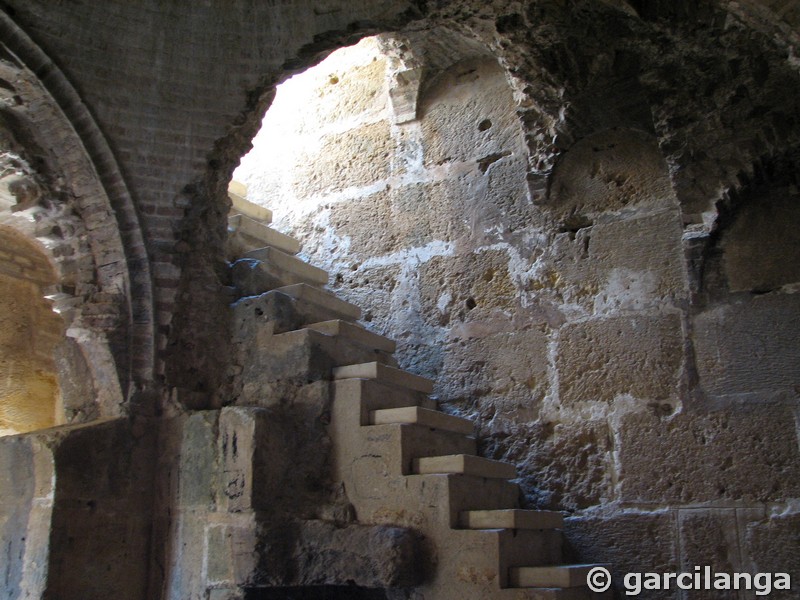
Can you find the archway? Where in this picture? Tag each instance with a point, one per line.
(405, 178)
(30, 398)
(68, 341)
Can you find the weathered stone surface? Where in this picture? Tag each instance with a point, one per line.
(367, 224)
(508, 368)
(451, 287)
(631, 542)
(772, 545)
(747, 350)
(611, 171)
(749, 455)
(641, 356)
(353, 158)
(710, 537)
(198, 470)
(75, 381)
(319, 553)
(760, 249)
(29, 330)
(18, 519)
(466, 116)
(561, 466)
(372, 289)
(60, 484)
(632, 264)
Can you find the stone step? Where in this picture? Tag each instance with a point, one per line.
(237, 192)
(385, 374)
(484, 558)
(467, 493)
(245, 234)
(575, 593)
(357, 398)
(392, 448)
(554, 576)
(511, 519)
(356, 333)
(253, 277)
(237, 187)
(324, 299)
(275, 312)
(308, 355)
(465, 464)
(291, 264)
(422, 416)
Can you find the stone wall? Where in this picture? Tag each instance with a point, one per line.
(74, 512)
(636, 367)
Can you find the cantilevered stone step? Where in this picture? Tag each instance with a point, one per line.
(256, 234)
(289, 263)
(237, 192)
(422, 416)
(277, 312)
(511, 519)
(355, 399)
(309, 355)
(322, 298)
(355, 333)
(395, 446)
(465, 464)
(556, 576)
(252, 276)
(575, 593)
(384, 374)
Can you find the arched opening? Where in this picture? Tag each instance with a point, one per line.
(67, 343)
(746, 309)
(400, 166)
(30, 397)
(60, 239)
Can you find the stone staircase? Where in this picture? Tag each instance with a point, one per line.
(398, 459)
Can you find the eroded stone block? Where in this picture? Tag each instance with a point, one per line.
(748, 455)
(198, 465)
(710, 538)
(611, 171)
(467, 115)
(773, 545)
(641, 356)
(749, 349)
(761, 248)
(354, 158)
(630, 264)
(632, 543)
(511, 367)
(561, 466)
(320, 553)
(452, 286)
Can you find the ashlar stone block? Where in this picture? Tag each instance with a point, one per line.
(749, 455)
(641, 356)
(630, 264)
(748, 350)
(773, 545)
(630, 542)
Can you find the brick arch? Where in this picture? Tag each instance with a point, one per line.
(83, 215)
